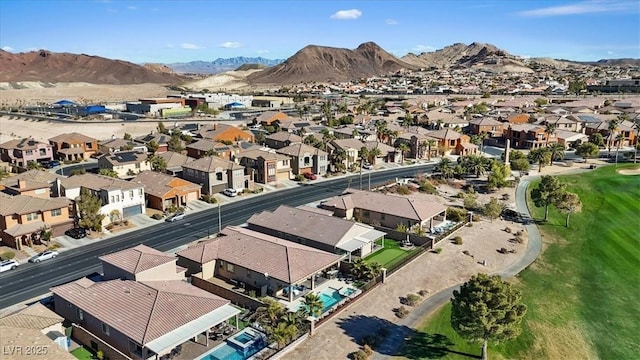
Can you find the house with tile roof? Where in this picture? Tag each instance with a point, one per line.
(125, 163)
(163, 191)
(141, 263)
(269, 118)
(267, 166)
(215, 174)
(205, 147)
(174, 162)
(528, 136)
(338, 236)
(351, 148)
(306, 159)
(139, 319)
(34, 328)
(40, 189)
(120, 198)
(36, 176)
(73, 146)
(282, 139)
(448, 141)
(264, 263)
(570, 139)
(19, 152)
(115, 145)
(487, 125)
(385, 209)
(225, 133)
(23, 219)
(162, 140)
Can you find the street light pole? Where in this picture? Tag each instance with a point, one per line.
(219, 219)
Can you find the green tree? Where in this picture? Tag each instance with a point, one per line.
(597, 139)
(445, 167)
(493, 208)
(549, 130)
(152, 146)
(373, 155)
(587, 150)
(3, 173)
(619, 141)
(487, 308)
(338, 157)
(282, 334)
(556, 152)
(575, 87)
(269, 314)
(127, 136)
(612, 128)
(175, 143)
(33, 165)
(569, 203)
(540, 156)
(158, 163)
(108, 172)
(162, 129)
(549, 190)
(89, 210)
(404, 150)
(498, 176)
(312, 305)
(520, 165)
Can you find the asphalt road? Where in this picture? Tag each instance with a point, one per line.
(32, 280)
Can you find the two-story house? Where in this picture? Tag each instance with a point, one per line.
(486, 125)
(205, 147)
(23, 219)
(281, 139)
(270, 118)
(19, 152)
(528, 136)
(115, 145)
(174, 162)
(306, 159)
(73, 146)
(120, 198)
(351, 148)
(34, 180)
(163, 191)
(160, 139)
(225, 133)
(215, 174)
(447, 141)
(268, 167)
(125, 163)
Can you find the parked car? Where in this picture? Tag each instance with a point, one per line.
(310, 176)
(51, 164)
(76, 233)
(45, 255)
(367, 166)
(176, 217)
(6, 265)
(230, 192)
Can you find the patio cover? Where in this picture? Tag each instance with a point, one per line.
(25, 229)
(185, 332)
(360, 240)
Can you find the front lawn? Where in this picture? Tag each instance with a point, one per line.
(582, 293)
(391, 254)
(82, 353)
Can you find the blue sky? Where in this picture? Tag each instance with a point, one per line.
(177, 31)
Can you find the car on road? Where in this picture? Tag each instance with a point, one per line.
(230, 192)
(51, 164)
(45, 255)
(176, 217)
(76, 233)
(310, 176)
(6, 265)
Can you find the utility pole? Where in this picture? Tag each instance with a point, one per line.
(369, 180)
(219, 219)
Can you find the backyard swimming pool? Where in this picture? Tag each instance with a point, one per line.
(329, 298)
(239, 347)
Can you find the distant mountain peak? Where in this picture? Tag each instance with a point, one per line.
(220, 65)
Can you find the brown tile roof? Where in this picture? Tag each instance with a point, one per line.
(159, 138)
(141, 311)
(267, 155)
(300, 149)
(384, 148)
(206, 144)
(28, 185)
(163, 185)
(304, 224)
(446, 134)
(33, 175)
(22, 144)
(25, 204)
(25, 229)
(73, 137)
(212, 164)
(281, 259)
(174, 160)
(125, 157)
(346, 144)
(268, 115)
(486, 121)
(14, 338)
(386, 204)
(35, 316)
(137, 259)
(285, 136)
(97, 182)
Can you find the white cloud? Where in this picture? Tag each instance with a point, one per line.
(262, 51)
(8, 48)
(585, 7)
(609, 52)
(423, 48)
(391, 22)
(170, 46)
(190, 46)
(230, 45)
(347, 14)
(132, 7)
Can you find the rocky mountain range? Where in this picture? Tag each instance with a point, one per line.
(322, 63)
(221, 65)
(51, 67)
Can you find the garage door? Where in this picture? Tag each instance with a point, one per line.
(131, 210)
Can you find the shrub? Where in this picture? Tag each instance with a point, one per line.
(475, 218)
(402, 312)
(437, 250)
(156, 216)
(209, 199)
(507, 230)
(519, 233)
(469, 224)
(359, 355)
(367, 350)
(7, 255)
(457, 240)
(54, 246)
(423, 292)
(518, 239)
(413, 299)
(456, 214)
(503, 251)
(470, 202)
(299, 177)
(403, 190)
(370, 340)
(427, 187)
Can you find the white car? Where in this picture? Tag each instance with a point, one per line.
(176, 217)
(45, 255)
(6, 265)
(367, 166)
(230, 192)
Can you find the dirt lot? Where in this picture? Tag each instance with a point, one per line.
(81, 92)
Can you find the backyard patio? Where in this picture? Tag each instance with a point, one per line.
(392, 253)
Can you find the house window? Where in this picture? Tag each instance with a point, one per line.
(89, 145)
(43, 152)
(112, 200)
(137, 165)
(29, 152)
(56, 212)
(366, 213)
(80, 314)
(105, 329)
(249, 274)
(230, 268)
(140, 192)
(32, 216)
(218, 176)
(131, 194)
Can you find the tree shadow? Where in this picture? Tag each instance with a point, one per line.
(430, 346)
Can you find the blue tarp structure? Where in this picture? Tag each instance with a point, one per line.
(95, 109)
(234, 104)
(64, 103)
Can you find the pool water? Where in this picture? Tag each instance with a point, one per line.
(329, 298)
(229, 352)
(349, 291)
(244, 338)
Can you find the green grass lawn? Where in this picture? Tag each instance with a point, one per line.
(391, 254)
(82, 354)
(582, 293)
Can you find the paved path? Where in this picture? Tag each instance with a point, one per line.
(392, 343)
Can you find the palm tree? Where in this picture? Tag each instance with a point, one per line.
(269, 314)
(312, 305)
(483, 136)
(337, 158)
(540, 156)
(359, 268)
(613, 126)
(404, 149)
(422, 145)
(445, 167)
(381, 126)
(373, 154)
(619, 140)
(556, 152)
(550, 129)
(430, 143)
(327, 137)
(282, 334)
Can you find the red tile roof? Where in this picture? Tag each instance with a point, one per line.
(137, 259)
